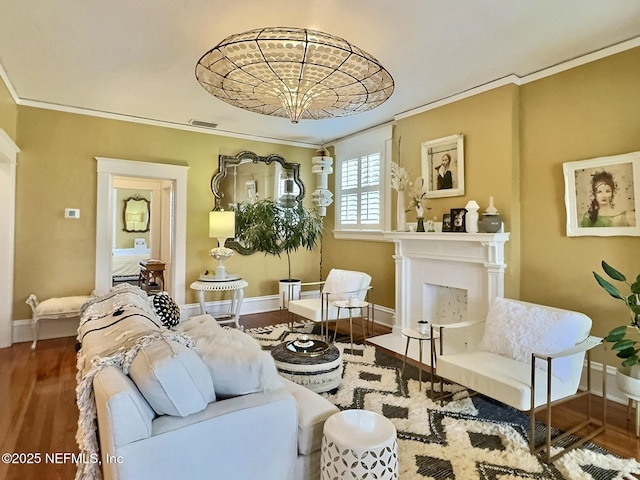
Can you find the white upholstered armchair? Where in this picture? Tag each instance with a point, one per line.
(530, 357)
(339, 285)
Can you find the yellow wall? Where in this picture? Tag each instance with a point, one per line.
(8, 111)
(516, 139)
(57, 170)
(583, 113)
(489, 123)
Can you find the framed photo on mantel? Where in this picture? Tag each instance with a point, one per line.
(443, 166)
(446, 222)
(458, 220)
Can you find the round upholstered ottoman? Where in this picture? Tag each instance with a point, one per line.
(359, 444)
(313, 364)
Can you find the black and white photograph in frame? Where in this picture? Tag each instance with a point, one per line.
(446, 222)
(602, 196)
(458, 220)
(443, 166)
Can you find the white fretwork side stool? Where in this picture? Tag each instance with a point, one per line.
(359, 444)
(53, 308)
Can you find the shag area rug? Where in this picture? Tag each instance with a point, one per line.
(467, 438)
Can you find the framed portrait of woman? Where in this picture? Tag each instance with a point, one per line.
(602, 196)
(443, 166)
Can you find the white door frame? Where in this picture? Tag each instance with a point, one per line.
(8, 161)
(108, 168)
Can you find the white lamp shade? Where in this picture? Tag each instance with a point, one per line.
(222, 224)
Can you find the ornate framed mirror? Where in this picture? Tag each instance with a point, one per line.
(248, 177)
(136, 214)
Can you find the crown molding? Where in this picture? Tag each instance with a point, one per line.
(158, 123)
(517, 80)
(509, 79)
(7, 82)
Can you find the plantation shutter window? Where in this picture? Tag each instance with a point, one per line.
(361, 189)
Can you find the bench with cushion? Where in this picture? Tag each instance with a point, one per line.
(53, 308)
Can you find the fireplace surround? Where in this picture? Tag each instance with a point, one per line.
(444, 278)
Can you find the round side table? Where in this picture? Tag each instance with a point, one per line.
(410, 334)
(351, 306)
(358, 444)
(236, 286)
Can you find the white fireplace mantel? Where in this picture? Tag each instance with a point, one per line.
(472, 263)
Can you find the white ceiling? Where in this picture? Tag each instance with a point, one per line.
(136, 58)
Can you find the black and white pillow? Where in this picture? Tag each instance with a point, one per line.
(167, 309)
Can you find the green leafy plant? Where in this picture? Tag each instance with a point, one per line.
(274, 228)
(625, 347)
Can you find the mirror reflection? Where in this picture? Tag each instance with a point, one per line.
(135, 214)
(247, 177)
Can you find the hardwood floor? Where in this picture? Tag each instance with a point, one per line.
(39, 415)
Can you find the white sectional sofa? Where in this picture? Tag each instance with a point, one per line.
(214, 408)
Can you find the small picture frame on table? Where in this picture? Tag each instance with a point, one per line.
(446, 222)
(457, 220)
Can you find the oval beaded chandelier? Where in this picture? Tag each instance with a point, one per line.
(294, 73)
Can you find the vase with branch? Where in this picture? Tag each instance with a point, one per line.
(418, 200)
(399, 182)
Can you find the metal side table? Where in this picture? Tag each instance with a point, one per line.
(410, 334)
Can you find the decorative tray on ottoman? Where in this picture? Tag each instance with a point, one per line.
(305, 346)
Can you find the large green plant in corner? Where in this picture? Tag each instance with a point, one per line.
(274, 228)
(626, 347)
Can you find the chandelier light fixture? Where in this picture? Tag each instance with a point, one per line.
(294, 73)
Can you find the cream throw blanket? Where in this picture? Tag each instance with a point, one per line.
(88, 467)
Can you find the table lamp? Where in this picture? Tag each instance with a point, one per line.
(222, 225)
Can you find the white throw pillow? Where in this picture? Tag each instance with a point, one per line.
(236, 362)
(198, 326)
(172, 378)
(516, 330)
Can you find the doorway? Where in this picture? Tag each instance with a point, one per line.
(8, 161)
(171, 195)
(150, 240)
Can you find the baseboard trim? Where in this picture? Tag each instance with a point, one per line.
(48, 328)
(613, 393)
(68, 327)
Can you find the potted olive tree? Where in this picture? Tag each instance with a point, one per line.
(625, 338)
(275, 228)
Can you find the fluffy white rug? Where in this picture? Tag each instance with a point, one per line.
(466, 439)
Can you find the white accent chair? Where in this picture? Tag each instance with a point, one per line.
(339, 285)
(531, 358)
